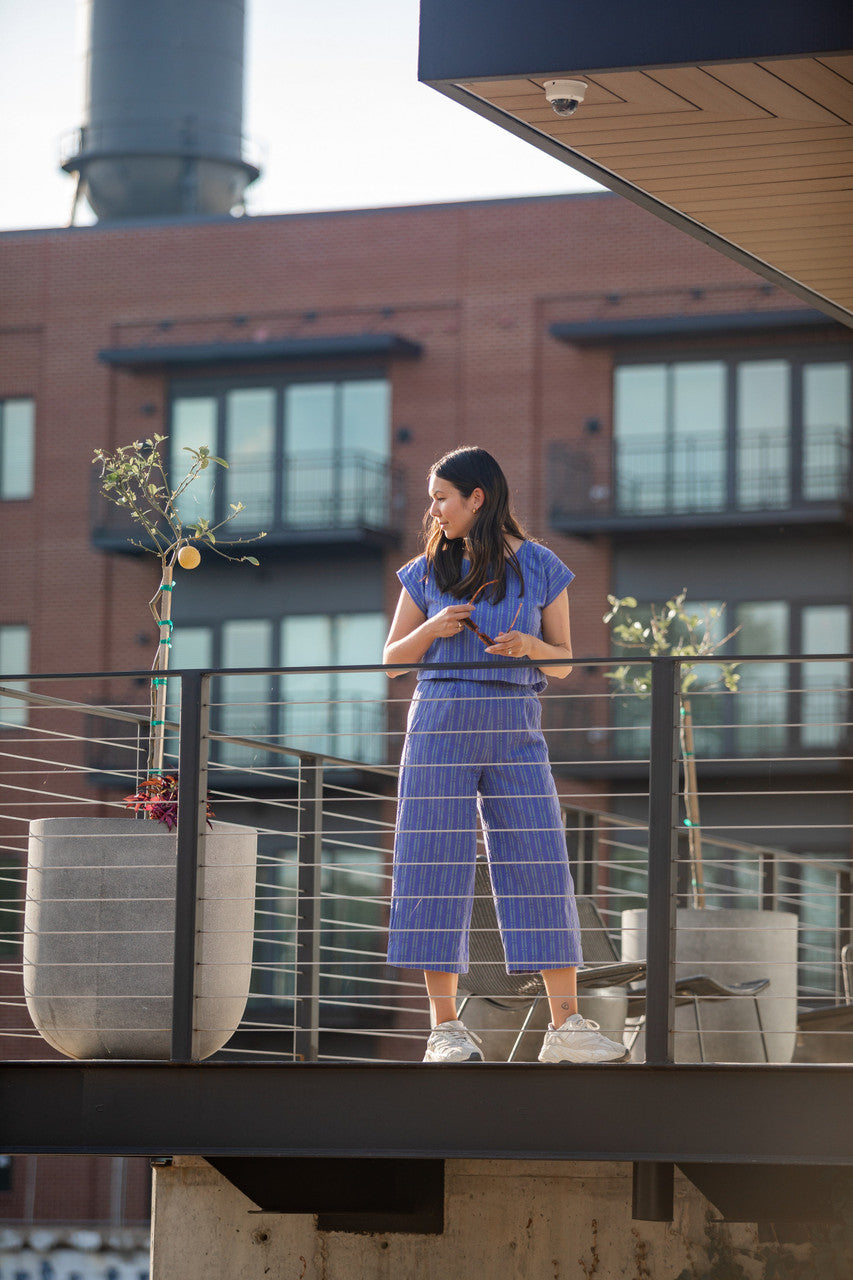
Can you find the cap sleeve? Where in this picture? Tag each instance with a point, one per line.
(557, 575)
(413, 578)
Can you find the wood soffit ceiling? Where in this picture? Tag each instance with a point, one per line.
(759, 153)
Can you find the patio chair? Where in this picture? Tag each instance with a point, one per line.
(488, 979)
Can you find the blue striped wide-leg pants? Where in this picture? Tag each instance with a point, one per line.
(477, 745)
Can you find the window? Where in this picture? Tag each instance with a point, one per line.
(14, 658)
(712, 435)
(17, 448)
(761, 703)
(670, 429)
(337, 713)
(824, 703)
(779, 704)
(353, 888)
(302, 454)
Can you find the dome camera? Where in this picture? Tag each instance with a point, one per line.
(565, 96)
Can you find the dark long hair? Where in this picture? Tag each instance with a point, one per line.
(469, 468)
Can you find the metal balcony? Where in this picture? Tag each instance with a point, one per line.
(326, 1059)
(700, 483)
(314, 501)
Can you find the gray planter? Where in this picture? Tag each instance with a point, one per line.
(98, 940)
(731, 945)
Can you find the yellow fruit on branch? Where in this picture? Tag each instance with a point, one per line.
(189, 557)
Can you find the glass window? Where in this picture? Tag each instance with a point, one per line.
(17, 448)
(191, 647)
(249, 448)
(194, 423)
(640, 431)
(247, 699)
(276, 915)
(762, 699)
(361, 695)
(342, 714)
(826, 430)
(764, 433)
(365, 433)
(365, 409)
(14, 659)
(815, 891)
(309, 449)
(825, 685)
(670, 430)
(12, 882)
(698, 436)
(307, 699)
(352, 952)
(301, 454)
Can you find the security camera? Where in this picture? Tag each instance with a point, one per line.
(565, 96)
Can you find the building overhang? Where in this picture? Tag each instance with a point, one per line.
(732, 121)
(595, 332)
(377, 346)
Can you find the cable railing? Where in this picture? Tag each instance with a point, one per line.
(263, 936)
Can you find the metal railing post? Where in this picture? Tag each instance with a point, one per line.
(663, 860)
(309, 859)
(192, 825)
(653, 1180)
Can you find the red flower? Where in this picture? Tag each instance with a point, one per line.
(157, 798)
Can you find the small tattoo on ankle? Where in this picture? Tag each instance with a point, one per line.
(567, 1004)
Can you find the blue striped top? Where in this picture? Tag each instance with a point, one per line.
(545, 576)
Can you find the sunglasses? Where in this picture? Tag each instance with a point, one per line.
(472, 626)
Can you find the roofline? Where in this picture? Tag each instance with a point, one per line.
(139, 224)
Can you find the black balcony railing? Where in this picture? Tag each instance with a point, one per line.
(318, 786)
(701, 481)
(315, 498)
(323, 1061)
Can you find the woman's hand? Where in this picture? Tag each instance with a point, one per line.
(449, 621)
(412, 633)
(513, 644)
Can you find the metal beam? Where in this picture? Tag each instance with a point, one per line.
(701, 1113)
(490, 39)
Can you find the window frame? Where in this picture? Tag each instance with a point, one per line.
(275, 714)
(4, 402)
(795, 692)
(218, 388)
(8, 705)
(797, 357)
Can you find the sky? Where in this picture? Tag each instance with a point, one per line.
(332, 98)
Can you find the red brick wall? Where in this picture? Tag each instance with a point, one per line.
(476, 283)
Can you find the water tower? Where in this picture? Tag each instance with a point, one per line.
(164, 116)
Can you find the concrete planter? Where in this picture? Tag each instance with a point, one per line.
(731, 945)
(98, 940)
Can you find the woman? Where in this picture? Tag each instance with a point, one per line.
(474, 741)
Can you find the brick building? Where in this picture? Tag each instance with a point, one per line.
(666, 419)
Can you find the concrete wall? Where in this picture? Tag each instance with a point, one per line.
(504, 1220)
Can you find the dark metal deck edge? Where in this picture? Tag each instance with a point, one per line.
(727, 1113)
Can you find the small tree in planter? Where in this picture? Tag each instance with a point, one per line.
(671, 630)
(100, 912)
(134, 478)
(735, 943)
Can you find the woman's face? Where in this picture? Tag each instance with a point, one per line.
(452, 511)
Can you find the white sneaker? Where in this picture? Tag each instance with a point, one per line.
(580, 1040)
(453, 1042)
